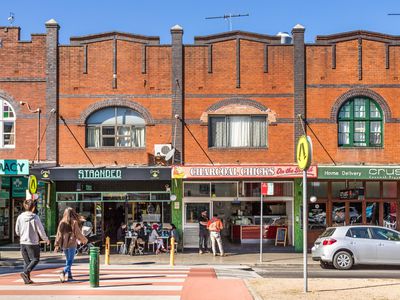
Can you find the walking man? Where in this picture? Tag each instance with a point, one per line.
(28, 227)
(215, 226)
(203, 232)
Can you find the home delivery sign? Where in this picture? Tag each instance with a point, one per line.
(362, 172)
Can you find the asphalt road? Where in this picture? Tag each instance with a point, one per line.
(317, 272)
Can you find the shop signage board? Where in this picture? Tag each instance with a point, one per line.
(241, 171)
(14, 167)
(104, 174)
(359, 172)
(19, 187)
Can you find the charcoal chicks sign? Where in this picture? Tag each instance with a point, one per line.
(243, 171)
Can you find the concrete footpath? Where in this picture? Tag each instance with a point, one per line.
(10, 258)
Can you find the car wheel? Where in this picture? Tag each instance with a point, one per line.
(343, 260)
(325, 265)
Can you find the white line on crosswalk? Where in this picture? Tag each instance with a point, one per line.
(105, 287)
(94, 297)
(119, 275)
(130, 280)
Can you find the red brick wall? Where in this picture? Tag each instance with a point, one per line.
(23, 74)
(253, 80)
(320, 100)
(78, 91)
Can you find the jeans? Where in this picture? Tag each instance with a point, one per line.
(31, 256)
(203, 241)
(69, 259)
(216, 236)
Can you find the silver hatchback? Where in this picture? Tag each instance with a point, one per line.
(346, 246)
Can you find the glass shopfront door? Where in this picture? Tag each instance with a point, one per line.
(192, 214)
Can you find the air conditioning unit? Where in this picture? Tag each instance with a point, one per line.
(162, 149)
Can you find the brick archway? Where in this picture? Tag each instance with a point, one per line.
(121, 103)
(361, 92)
(239, 101)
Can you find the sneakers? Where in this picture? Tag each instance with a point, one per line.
(201, 252)
(62, 276)
(25, 278)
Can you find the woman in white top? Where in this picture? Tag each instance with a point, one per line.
(155, 238)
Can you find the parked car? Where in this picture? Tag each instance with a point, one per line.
(346, 246)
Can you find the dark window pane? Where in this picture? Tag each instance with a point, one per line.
(108, 142)
(108, 130)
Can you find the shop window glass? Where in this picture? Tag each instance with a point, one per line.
(390, 214)
(66, 197)
(193, 189)
(224, 189)
(318, 189)
(317, 215)
(372, 213)
(336, 187)
(373, 189)
(389, 189)
(166, 212)
(89, 197)
(355, 213)
(338, 214)
(193, 211)
(252, 189)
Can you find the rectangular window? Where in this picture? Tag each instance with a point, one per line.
(359, 133)
(375, 136)
(224, 189)
(238, 131)
(196, 189)
(344, 133)
(93, 137)
(359, 108)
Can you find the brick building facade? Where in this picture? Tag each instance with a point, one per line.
(107, 99)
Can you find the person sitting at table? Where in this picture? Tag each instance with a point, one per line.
(156, 239)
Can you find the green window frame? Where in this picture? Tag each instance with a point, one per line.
(360, 123)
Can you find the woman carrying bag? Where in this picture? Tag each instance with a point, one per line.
(67, 237)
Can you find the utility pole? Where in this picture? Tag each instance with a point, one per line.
(228, 17)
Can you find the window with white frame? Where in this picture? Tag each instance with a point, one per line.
(115, 127)
(237, 131)
(7, 125)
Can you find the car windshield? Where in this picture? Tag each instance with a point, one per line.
(328, 232)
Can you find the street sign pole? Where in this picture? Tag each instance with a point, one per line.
(305, 225)
(304, 158)
(261, 229)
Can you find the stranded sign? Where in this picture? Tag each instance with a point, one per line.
(241, 171)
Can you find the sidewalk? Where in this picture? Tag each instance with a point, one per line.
(320, 288)
(10, 258)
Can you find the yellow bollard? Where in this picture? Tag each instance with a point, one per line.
(172, 253)
(107, 254)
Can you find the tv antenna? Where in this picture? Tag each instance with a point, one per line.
(393, 14)
(11, 18)
(228, 18)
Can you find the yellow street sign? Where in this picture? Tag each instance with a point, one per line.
(304, 152)
(32, 184)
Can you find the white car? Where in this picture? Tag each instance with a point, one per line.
(346, 246)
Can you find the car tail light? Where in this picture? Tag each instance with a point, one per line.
(328, 242)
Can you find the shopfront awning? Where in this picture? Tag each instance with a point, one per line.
(102, 174)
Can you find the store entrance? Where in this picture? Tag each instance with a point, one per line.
(114, 215)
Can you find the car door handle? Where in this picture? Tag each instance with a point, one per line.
(381, 244)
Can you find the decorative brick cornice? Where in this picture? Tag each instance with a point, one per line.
(239, 101)
(12, 101)
(121, 103)
(355, 35)
(361, 92)
(108, 36)
(234, 35)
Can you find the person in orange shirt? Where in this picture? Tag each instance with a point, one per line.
(215, 226)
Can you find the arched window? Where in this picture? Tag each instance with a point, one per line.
(360, 123)
(115, 127)
(7, 125)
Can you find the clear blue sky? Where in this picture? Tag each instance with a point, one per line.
(80, 17)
